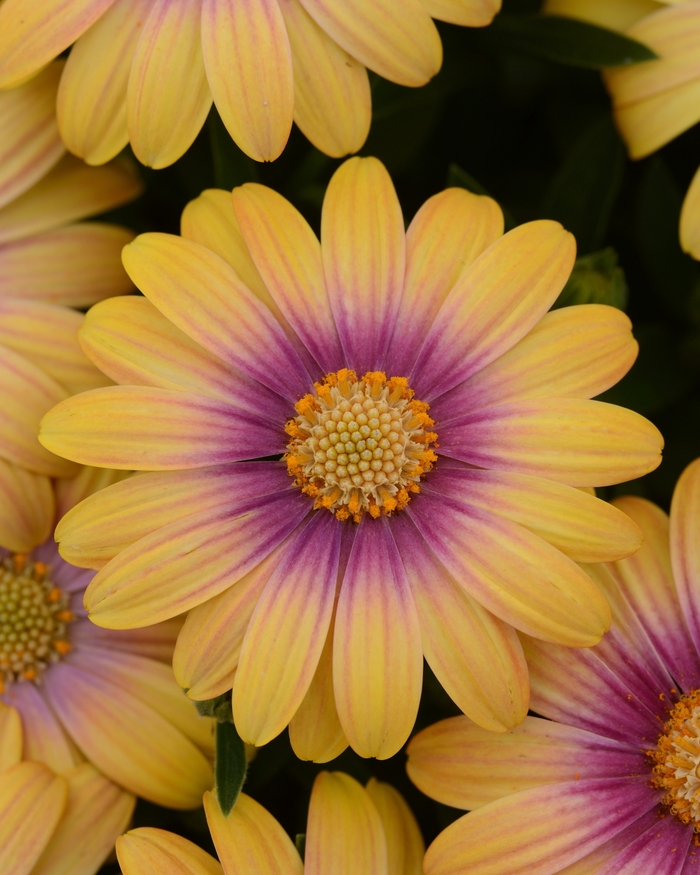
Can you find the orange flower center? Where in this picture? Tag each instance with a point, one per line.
(33, 618)
(677, 760)
(360, 445)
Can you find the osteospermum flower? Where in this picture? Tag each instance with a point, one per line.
(433, 426)
(87, 694)
(609, 782)
(654, 101)
(49, 261)
(146, 71)
(54, 823)
(351, 830)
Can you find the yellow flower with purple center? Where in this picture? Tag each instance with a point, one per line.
(85, 694)
(351, 830)
(147, 71)
(435, 422)
(53, 823)
(606, 780)
(654, 101)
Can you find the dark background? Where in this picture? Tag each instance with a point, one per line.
(502, 117)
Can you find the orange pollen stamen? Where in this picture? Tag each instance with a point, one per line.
(676, 760)
(33, 618)
(360, 445)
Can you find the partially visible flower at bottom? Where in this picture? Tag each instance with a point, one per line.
(608, 784)
(351, 830)
(52, 823)
(85, 693)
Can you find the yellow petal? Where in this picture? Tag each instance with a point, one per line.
(210, 221)
(570, 440)
(168, 98)
(96, 813)
(73, 490)
(377, 653)
(249, 66)
(690, 219)
(208, 647)
(76, 265)
(206, 299)
(47, 336)
(404, 842)
(574, 352)
(344, 832)
(332, 101)
(250, 841)
(495, 302)
(126, 739)
(580, 525)
(27, 509)
(363, 247)
(69, 192)
(29, 140)
(26, 393)
(139, 428)
(513, 573)
(476, 657)
(149, 851)
(447, 234)
(32, 800)
(685, 546)
(398, 41)
(205, 552)
(315, 732)
(287, 254)
(91, 105)
(286, 634)
(469, 13)
(10, 737)
(34, 32)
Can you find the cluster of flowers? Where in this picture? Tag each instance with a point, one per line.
(351, 455)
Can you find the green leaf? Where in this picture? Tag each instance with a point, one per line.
(567, 41)
(459, 178)
(595, 279)
(231, 166)
(584, 190)
(230, 766)
(219, 708)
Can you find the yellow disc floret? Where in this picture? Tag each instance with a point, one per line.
(677, 760)
(33, 618)
(360, 445)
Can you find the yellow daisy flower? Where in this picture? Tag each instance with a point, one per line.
(654, 101)
(317, 582)
(88, 694)
(351, 830)
(49, 261)
(146, 71)
(606, 780)
(54, 823)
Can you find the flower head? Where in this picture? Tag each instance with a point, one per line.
(146, 71)
(87, 694)
(608, 781)
(350, 829)
(428, 427)
(49, 822)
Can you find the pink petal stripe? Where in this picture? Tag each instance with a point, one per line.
(377, 652)
(539, 831)
(662, 849)
(576, 687)
(287, 632)
(363, 247)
